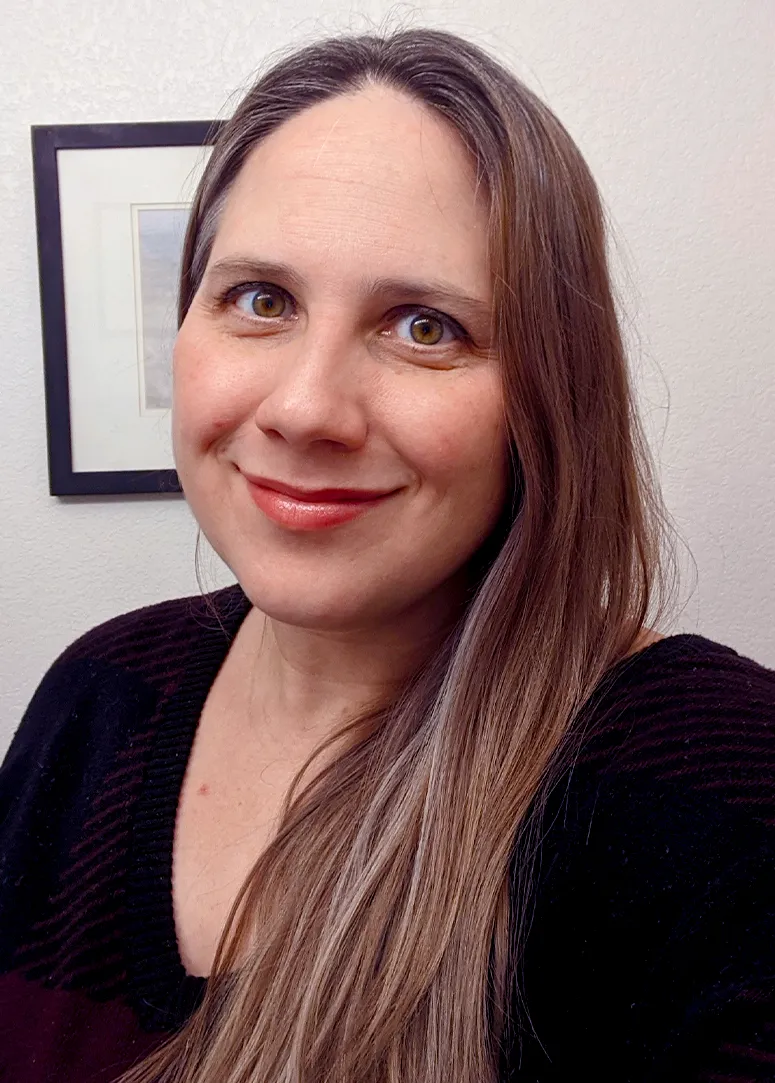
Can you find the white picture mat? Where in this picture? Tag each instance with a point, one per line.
(97, 188)
(158, 231)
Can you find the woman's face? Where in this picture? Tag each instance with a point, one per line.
(337, 408)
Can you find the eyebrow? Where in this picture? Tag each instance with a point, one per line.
(434, 293)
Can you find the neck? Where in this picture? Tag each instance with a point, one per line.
(303, 683)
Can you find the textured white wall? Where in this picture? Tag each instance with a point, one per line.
(671, 101)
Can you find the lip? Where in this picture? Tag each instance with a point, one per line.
(311, 509)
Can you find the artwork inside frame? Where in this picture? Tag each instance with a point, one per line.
(112, 204)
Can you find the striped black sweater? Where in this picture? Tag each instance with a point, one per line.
(651, 949)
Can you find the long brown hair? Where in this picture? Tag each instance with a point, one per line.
(377, 938)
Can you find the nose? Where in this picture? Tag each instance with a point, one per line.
(315, 395)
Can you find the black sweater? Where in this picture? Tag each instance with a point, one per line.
(651, 951)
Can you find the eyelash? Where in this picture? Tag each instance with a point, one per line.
(229, 295)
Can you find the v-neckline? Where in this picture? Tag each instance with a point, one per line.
(160, 990)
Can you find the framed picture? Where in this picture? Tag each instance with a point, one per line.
(112, 205)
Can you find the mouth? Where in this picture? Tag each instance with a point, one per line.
(312, 509)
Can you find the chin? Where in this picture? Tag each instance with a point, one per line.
(314, 601)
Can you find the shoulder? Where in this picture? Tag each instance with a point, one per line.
(665, 811)
(667, 791)
(144, 640)
(685, 710)
(115, 672)
(689, 662)
(95, 705)
(655, 883)
(689, 669)
(678, 741)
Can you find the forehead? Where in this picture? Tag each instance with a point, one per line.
(371, 181)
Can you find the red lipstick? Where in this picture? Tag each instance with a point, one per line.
(311, 509)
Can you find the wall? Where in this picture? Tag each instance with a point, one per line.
(671, 101)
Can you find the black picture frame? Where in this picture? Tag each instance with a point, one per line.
(47, 142)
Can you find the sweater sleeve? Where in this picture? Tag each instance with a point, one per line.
(89, 728)
(83, 709)
(651, 958)
(112, 672)
(718, 975)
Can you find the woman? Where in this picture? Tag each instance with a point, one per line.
(425, 797)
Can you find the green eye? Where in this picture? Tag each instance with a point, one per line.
(426, 330)
(264, 302)
(267, 303)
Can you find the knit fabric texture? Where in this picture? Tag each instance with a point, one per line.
(650, 944)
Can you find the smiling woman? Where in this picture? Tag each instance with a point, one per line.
(426, 797)
(305, 360)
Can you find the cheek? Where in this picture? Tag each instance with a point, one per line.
(459, 441)
(205, 407)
